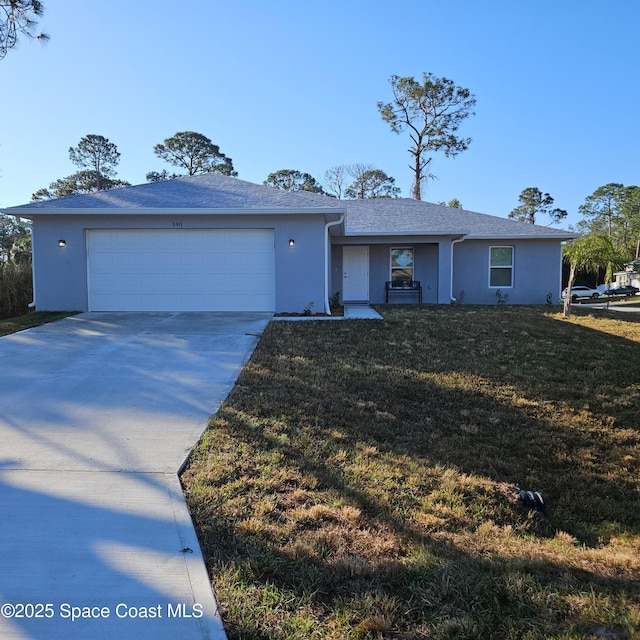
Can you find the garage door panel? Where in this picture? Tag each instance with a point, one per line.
(199, 270)
(219, 282)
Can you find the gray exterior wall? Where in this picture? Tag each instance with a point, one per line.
(60, 275)
(431, 267)
(425, 257)
(537, 271)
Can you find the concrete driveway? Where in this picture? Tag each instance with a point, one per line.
(97, 415)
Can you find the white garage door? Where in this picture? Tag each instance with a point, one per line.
(181, 270)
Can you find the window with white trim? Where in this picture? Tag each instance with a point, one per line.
(501, 266)
(401, 265)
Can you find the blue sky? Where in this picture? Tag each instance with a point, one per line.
(292, 85)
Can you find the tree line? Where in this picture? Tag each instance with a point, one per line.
(612, 210)
(430, 112)
(609, 231)
(194, 153)
(610, 234)
(97, 158)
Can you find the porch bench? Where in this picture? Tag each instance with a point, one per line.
(404, 286)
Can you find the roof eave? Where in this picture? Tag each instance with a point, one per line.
(29, 212)
(561, 235)
(359, 234)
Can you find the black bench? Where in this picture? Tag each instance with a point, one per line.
(404, 286)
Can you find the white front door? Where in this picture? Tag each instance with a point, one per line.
(355, 274)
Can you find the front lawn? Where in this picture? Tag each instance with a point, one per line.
(360, 480)
(30, 320)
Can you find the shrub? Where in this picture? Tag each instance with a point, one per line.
(503, 298)
(16, 289)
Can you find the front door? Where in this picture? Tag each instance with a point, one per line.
(355, 274)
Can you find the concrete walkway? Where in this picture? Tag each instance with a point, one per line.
(361, 312)
(97, 414)
(352, 311)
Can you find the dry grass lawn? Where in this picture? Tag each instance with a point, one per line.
(360, 480)
(30, 320)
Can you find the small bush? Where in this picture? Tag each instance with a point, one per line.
(503, 298)
(16, 289)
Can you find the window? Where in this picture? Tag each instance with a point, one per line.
(401, 265)
(501, 267)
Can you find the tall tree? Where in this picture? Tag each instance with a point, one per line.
(96, 156)
(335, 179)
(81, 182)
(293, 180)
(432, 112)
(372, 183)
(590, 253)
(630, 214)
(97, 159)
(19, 17)
(532, 203)
(614, 210)
(602, 207)
(194, 152)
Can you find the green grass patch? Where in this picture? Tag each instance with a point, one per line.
(29, 320)
(359, 481)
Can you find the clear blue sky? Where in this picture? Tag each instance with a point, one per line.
(286, 84)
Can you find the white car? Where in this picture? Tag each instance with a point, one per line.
(578, 292)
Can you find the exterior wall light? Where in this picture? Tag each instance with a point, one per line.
(62, 243)
(292, 242)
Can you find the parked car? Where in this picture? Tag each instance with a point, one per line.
(578, 292)
(627, 290)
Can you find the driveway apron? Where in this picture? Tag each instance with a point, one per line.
(98, 413)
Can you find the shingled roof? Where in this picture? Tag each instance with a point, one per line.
(205, 191)
(415, 217)
(212, 192)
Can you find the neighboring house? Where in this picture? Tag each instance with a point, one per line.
(630, 275)
(210, 242)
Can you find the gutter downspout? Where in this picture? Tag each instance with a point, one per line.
(327, 308)
(451, 288)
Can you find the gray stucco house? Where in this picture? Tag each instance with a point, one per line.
(210, 242)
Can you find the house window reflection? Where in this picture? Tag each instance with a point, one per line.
(401, 265)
